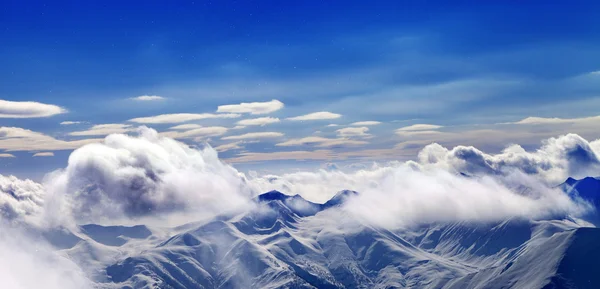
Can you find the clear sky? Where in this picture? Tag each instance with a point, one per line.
(282, 84)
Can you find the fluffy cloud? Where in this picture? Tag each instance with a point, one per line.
(258, 121)
(3, 155)
(320, 142)
(104, 129)
(321, 115)
(43, 154)
(353, 131)
(20, 139)
(397, 195)
(365, 123)
(557, 159)
(19, 198)
(254, 135)
(180, 117)
(127, 176)
(28, 109)
(252, 107)
(148, 98)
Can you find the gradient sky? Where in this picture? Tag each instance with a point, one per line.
(384, 77)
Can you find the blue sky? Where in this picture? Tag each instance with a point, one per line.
(471, 73)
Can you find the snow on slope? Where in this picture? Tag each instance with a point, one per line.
(288, 242)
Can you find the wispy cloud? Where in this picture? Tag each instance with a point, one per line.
(321, 142)
(28, 109)
(68, 122)
(230, 146)
(199, 133)
(365, 123)
(254, 135)
(252, 107)
(321, 115)
(20, 139)
(258, 121)
(180, 117)
(353, 131)
(104, 129)
(3, 155)
(185, 126)
(43, 154)
(148, 98)
(416, 127)
(555, 120)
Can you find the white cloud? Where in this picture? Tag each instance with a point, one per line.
(28, 109)
(254, 135)
(145, 175)
(555, 120)
(19, 198)
(558, 158)
(180, 117)
(321, 115)
(185, 126)
(353, 131)
(258, 121)
(287, 155)
(417, 127)
(230, 146)
(321, 142)
(238, 127)
(68, 122)
(252, 107)
(333, 125)
(148, 98)
(2, 155)
(20, 139)
(365, 123)
(200, 132)
(43, 154)
(104, 129)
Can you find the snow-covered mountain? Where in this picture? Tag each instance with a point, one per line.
(289, 242)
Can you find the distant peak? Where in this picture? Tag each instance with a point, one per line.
(273, 196)
(339, 198)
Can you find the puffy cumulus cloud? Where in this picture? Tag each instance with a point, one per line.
(43, 154)
(258, 121)
(558, 158)
(148, 98)
(104, 129)
(20, 198)
(20, 139)
(180, 117)
(321, 115)
(136, 176)
(252, 107)
(29, 263)
(28, 109)
(365, 123)
(401, 194)
(254, 135)
(321, 142)
(353, 131)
